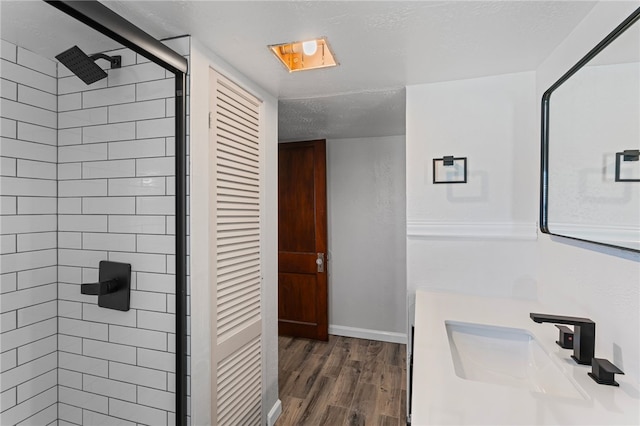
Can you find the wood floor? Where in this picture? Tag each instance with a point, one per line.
(344, 381)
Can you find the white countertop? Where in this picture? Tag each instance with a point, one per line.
(440, 397)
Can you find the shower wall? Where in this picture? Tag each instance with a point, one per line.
(116, 201)
(28, 306)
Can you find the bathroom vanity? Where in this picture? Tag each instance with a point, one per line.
(482, 360)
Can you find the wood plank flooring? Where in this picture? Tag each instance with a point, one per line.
(344, 381)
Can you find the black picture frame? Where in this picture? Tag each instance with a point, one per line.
(449, 161)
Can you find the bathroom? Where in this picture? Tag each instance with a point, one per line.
(481, 238)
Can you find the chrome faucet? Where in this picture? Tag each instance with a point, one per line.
(584, 331)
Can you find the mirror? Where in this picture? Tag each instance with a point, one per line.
(590, 187)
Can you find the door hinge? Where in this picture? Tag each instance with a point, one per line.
(209, 119)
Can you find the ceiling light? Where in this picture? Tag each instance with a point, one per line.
(304, 55)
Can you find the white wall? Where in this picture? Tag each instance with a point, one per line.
(201, 60)
(366, 204)
(477, 237)
(582, 278)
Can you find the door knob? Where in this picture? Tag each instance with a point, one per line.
(320, 262)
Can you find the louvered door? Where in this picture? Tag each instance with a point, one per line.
(235, 129)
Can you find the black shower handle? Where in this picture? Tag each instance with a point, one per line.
(102, 287)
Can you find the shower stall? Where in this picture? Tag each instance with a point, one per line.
(93, 220)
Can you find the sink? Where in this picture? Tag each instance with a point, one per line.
(506, 356)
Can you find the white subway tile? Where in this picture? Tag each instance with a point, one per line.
(37, 98)
(171, 347)
(109, 351)
(162, 127)
(164, 244)
(148, 301)
(34, 133)
(36, 62)
(96, 419)
(136, 149)
(8, 89)
(109, 169)
(136, 186)
(138, 337)
(26, 223)
(135, 74)
(141, 261)
(69, 414)
(82, 117)
(37, 313)
(83, 364)
(70, 274)
(28, 77)
(75, 153)
(28, 150)
(37, 385)
(82, 399)
(138, 413)
(156, 398)
(67, 309)
(48, 417)
(8, 399)
(171, 225)
(70, 136)
(88, 258)
(7, 243)
(171, 186)
(69, 171)
(23, 412)
(82, 188)
(27, 113)
(108, 205)
(38, 206)
(37, 241)
(69, 102)
(70, 344)
(8, 360)
(161, 166)
(70, 379)
(157, 89)
(8, 51)
(109, 242)
(14, 262)
(73, 84)
(8, 282)
(72, 292)
(138, 375)
(8, 321)
(8, 166)
(37, 349)
(15, 376)
(157, 360)
(27, 297)
(8, 128)
(70, 205)
(143, 110)
(86, 329)
(171, 303)
(91, 275)
(109, 96)
(37, 277)
(95, 313)
(171, 146)
(161, 283)
(82, 223)
(8, 205)
(110, 388)
(29, 187)
(156, 321)
(36, 170)
(109, 132)
(137, 224)
(22, 336)
(163, 205)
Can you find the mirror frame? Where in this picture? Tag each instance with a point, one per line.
(544, 157)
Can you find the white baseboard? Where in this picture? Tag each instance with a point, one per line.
(365, 333)
(274, 413)
(440, 230)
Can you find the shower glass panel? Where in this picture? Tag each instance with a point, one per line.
(87, 175)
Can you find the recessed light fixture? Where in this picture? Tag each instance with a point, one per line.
(305, 55)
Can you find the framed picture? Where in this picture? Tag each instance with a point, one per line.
(450, 169)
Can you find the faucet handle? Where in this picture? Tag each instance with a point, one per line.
(603, 372)
(565, 339)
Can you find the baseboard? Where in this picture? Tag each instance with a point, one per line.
(365, 333)
(274, 413)
(471, 230)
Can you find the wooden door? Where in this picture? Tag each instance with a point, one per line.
(302, 240)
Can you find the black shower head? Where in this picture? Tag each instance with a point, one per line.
(84, 66)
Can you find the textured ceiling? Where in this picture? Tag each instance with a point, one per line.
(382, 47)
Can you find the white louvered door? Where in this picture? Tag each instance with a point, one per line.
(235, 130)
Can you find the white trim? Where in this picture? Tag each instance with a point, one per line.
(472, 230)
(365, 333)
(627, 236)
(274, 413)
